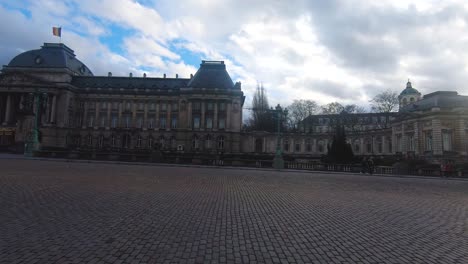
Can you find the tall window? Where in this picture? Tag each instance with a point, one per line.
(222, 106)
(173, 142)
(91, 120)
(151, 123)
(163, 107)
(399, 143)
(357, 146)
(428, 140)
(209, 122)
(101, 141)
(369, 146)
(89, 140)
(196, 122)
(221, 142)
(196, 106)
(195, 142)
(208, 142)
(103, 121)
(150, 142)
(175, 106)
(410, 142)
(209, 106)
(162, 142)
(379, 145)
(113, 141)
(174, 122)
(390, 147)
(127, 121)
(140, 122)
(162, 122)
(138, 143)
(297, 147)
(114, 121)
(221, 123)
(320, 146)
(126, 141)
(308, 145)
(447, 140)
(286, 145)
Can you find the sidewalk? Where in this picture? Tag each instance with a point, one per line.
(6, 156)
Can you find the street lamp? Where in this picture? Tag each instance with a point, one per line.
(278, 161)
(32, 144)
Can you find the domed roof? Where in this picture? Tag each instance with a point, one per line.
(409, 90)
(51, 55)
(211, 75)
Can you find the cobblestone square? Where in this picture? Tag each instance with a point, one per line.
(61, 212)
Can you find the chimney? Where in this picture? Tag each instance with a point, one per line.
(164, 76)
(144, 75)
(177, 76)
(191, 76)
(109, 74)
(130, 75)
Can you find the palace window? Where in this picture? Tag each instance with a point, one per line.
(138, 143)
(152, 106)
(447, 140)
(209, 106)
(195, 142)
(308, 145)
(162, 142)
(221, 142)
(91, 120)
(127, 121)
(209, 122)
(222, 106)
(163, 107)
(173, 142)
(175, 107)
(89, 140)
(115, 119)
(399, 143)
(297, 146)
(151, 123)
(410, 142)
(162, 122)
(286, 145)
(101, 141)
(196, 122)
(113, 141)
(208, 142)
(320, 146)
(196, 106)
(139, 122)
(150, 142)
(174, 122)
(428, 140)
(103, 121)
(221, 123)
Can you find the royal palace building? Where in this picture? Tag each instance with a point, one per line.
(75, 110)
(51, 102)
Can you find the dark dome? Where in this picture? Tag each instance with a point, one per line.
(51, 55)
(409, 90)
(211, 75)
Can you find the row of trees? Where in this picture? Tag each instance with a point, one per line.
(263, 118)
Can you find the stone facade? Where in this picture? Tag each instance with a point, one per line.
(80, 111)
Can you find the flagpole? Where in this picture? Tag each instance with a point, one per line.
(60, 35)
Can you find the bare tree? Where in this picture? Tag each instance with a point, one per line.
(299, 110)
(385, 102)
(262, 118)
(337, 108)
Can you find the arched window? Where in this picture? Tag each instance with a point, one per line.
(405, 101)
(411, 99)
(259, 145)
(286, 145)
(357, 146)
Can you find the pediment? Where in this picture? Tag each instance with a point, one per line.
(21, 79)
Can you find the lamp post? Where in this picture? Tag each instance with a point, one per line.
(32, 144)
(278, 161)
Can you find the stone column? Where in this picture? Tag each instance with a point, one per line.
(362, 146)
(404, 148)
(109, 109)
(314, 145)
(436, 137)
(384, 145)
(54, 109)
(202, 121)
(215, 115)
(7, 110)
(394, 140)
(416, 138)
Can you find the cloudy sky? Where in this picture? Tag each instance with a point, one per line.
(330, 50)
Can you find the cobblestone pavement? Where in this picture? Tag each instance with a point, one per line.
(59, 212)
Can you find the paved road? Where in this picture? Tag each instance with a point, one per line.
(58, 212)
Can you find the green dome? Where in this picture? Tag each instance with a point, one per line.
(409, 90)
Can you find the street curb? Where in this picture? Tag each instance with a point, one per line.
(230, 167)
